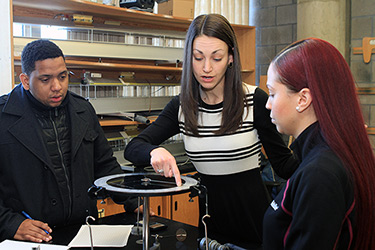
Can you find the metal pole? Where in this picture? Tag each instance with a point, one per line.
(146, 228)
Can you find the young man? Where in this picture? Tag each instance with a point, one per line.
(52, 148)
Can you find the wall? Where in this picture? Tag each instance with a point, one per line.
(276, 27)
(326, 20)
(363, 25)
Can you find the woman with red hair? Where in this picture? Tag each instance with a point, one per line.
(329, 201)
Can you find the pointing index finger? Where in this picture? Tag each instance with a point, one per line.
(177, 176)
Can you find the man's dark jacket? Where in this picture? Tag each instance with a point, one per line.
(27, 180)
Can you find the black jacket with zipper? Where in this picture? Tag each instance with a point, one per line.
(30, 179)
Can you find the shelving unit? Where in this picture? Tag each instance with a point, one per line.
(128, 17)
(45, 11)
(157, 64)
(79, 64)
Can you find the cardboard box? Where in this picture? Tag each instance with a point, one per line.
(177, 8)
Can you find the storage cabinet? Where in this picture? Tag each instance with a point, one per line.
(178, 207)
(175, 207)
(108, 207)
(184, 209)
(152, 60)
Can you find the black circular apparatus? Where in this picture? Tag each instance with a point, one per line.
(144, 184)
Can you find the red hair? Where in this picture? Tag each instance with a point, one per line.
(319, 66)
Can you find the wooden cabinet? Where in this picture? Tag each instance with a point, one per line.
(178, 207)
(153, 63)
(160, 205)
(184, 209)
(108, 207)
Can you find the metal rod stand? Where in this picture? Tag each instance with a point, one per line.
(146, 217)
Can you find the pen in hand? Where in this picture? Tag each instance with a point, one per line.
(29, 217)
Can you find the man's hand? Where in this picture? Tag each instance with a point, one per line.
(33, 230)
(164, 163)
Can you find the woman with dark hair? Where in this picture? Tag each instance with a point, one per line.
(328, 203)
(224, 123)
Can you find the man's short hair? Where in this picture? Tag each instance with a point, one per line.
(38, 50)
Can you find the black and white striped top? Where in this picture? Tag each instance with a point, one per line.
(223, 154)
(218, 154)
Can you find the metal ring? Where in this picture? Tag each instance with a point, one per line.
(104, 182)
(160, 171)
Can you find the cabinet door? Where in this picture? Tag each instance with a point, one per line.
(108, 207)
(161, 206)
(184, 210)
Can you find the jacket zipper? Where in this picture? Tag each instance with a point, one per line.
(62, 160)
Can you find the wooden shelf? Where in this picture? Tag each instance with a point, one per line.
(135, 18)
(155, 21)
(119, 66)
(366, 91)
(116, 122)
(114, 66)
(120, 122)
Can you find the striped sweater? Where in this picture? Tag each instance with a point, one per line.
(218, 154)
(223, 154)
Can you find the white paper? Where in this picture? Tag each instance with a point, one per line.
(21, 245)
(103, 236)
